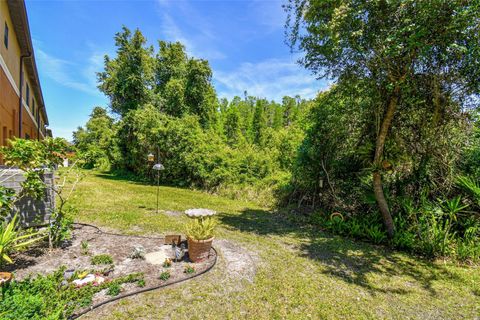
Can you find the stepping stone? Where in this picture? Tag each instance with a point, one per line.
(158, 257)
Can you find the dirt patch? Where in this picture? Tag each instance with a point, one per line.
(74, 256)
(173, 213)
(240, 263)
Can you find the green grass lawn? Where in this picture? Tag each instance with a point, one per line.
(301, 273)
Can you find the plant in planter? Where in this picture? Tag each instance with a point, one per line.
(200, 233)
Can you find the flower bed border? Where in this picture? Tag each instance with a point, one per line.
(95, 306)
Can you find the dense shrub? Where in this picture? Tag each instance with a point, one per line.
(435, 229)
(192, 156)
(424, 162)
(97, 142)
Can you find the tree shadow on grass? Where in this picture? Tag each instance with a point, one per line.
(122, 177)
(345, 259)
(133, 179)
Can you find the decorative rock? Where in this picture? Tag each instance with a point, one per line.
(90, 278)
(158, 257)
(68, 274)
(138, 252)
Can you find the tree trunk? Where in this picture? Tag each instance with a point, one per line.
(377, 161)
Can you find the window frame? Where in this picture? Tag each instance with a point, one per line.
(27, 93)
(6, 31)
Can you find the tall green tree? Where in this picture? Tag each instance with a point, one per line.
(259, 122)
(183, 84)
(200, 96)
(97, 142)
(289, 110)
(128, 78)
(171, 63)
(231, 126)
(393, 48)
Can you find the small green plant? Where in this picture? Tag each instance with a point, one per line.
(165, 275)
(114, 289)
(202, 228)
(167, 263)
(376, 234)
(189, 270)
(84, 246)
(102, 259)
(471, 186)
(141, 283)
(336, 223)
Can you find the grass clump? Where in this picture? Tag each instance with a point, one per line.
(114, 289)
(102, 259)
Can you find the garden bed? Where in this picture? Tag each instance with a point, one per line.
(88, 243)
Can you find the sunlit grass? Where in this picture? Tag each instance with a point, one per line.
(301, 273)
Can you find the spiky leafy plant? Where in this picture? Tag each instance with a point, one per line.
(202, 228)
(471, 186)
(11, 239)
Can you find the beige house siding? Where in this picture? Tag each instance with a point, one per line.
(11, 56)
(10, 84)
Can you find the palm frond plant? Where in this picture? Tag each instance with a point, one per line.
(471, 186)
(12, 239)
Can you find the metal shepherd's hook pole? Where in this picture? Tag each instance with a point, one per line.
(157, 167)
(158, 186)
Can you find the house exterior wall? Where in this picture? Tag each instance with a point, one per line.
(9, 88)
(13, 15)
(11, 56)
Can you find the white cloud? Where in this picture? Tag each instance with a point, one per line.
(69, 74)
(269, 14)
(198, 40)
(271, 79)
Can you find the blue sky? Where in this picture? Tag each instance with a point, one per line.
(243, 41)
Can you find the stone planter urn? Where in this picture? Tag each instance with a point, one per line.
(199, 250)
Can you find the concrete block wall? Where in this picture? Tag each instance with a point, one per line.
(31, 211)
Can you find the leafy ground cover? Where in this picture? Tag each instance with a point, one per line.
(301, 272)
